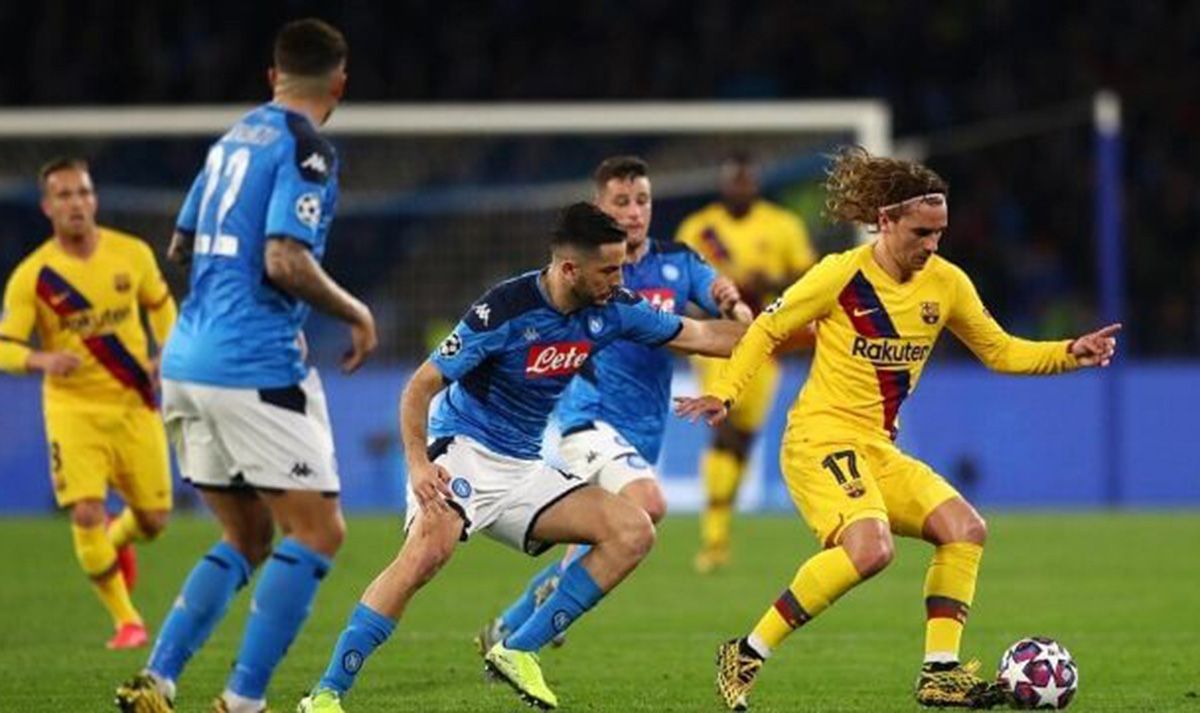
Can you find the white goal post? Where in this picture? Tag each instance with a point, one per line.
(869, 120)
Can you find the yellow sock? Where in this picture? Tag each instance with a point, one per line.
(98, 558)
(949, 591)
(820, 581)
(125, 529)
(722, 472)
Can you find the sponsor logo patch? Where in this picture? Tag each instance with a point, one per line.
(660, 298)
(558, 359)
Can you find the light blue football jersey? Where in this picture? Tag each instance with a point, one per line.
(513, 354)
(628, 385)
(271, 175)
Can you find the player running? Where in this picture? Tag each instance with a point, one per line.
(507, 362)
(246, 415)
(879, 309)
(614, 412)
(763, 248)
(85, 291)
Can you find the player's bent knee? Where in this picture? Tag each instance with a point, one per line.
(87, 513)
(975, 529)
(648, 496)
(870, 546)
(635, 536)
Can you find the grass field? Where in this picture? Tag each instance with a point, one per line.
(1118, 590)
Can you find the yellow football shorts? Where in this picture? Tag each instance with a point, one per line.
(752, 408)
(124, 448)
(838, 481)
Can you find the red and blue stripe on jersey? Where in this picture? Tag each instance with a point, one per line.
(870, 319)
(64, 300)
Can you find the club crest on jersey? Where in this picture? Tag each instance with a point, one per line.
(660, 298)
(930, 312)
(308, 209)
(670, 273)
(558, 359)
(121, 282)
(530, 334)
(595, 324)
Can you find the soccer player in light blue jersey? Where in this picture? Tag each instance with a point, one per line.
(475, 466)
(246, 415)
(614, 413)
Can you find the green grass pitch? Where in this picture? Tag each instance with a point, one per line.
(1119, 590)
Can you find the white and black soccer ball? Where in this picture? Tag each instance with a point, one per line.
(1038, 672)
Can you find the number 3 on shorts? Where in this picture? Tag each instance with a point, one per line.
(843, 465)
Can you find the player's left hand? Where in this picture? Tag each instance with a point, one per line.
(1097, 348)
(724, 293)
(710, 408)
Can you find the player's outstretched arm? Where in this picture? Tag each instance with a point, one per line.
(709, 337)
(1096, 348)
(430, 482)
(729, 300)
(293, 269)
(709, 408)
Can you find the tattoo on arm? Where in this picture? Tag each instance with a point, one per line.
(292, 268)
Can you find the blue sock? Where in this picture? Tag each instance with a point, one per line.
(579, 551)
(522, 609)
(201, 604)
(577, 592)
(366, 631)
(280, 605)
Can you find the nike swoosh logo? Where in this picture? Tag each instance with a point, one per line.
(59, 298)
(864, 312)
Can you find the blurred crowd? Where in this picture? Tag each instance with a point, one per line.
(1021, 219)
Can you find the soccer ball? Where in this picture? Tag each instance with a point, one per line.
(1038, 672)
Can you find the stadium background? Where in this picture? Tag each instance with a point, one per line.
(999, 109)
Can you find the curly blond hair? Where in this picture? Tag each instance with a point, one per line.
(858, 184)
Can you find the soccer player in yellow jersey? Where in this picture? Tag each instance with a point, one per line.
(878, 310)
(84, 291)
(763, 248)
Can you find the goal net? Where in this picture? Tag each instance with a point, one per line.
(439, 202)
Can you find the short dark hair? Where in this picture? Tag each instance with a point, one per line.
(309, 48)
(625, 168)
(59, 163)
(583, 225)
(739, 158)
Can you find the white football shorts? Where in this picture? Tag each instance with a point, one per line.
(267, 439)
(496, 494)
(603, 457)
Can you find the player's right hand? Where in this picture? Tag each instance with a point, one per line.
(54, 363)
(363, 341)
(431, 484)
(710, 408)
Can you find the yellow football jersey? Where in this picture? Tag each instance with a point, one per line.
(769, 241)
(874, 336)
(91, 308)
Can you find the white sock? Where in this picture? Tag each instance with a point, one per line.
(241, 704)
(165, 686)
(759, 646)
(940, 657)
